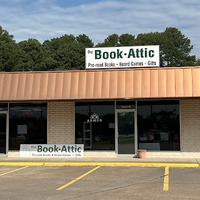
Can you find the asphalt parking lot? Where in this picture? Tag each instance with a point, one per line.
(98, 182)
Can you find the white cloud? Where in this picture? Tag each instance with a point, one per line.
(44, 19)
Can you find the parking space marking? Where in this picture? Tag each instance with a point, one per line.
(80, 177)
(13, 171)
(103, 164)
(166, 180)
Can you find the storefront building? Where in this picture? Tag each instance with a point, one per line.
(112, 112)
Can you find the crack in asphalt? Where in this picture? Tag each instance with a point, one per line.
(132, 184)
(120, 187)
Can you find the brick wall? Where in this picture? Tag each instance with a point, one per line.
(60, 123)
(190, 125)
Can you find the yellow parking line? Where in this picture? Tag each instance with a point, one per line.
(13, 171)
(166, 179)
(58, 164)
(80, 177)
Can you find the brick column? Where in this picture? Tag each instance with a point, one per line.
(190, 125)
(60, 128)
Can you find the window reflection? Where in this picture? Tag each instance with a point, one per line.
(3, 106)
(28, 124)
(158, 125)
(3, 133)
(95, 125)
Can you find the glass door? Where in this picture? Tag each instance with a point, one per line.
(126, 132)
(3, 133)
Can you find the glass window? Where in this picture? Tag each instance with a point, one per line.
(95, 125)
(3, 141)
(158, 125)
(3, 106)
(28, 124)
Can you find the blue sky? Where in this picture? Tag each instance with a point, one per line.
(46, 19)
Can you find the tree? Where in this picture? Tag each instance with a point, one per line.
(110, 41)
(63, 52)
(198, 62)
(126, 40)
(83, 41)
(8, 51)
(68, 51)
(176, 49)
(114, 40)
(31, 55)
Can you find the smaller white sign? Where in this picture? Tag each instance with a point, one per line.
(22, 129)
(51, 150)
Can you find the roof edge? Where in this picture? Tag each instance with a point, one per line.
(101, 70)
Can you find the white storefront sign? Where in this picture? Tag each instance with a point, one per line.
(122, 57)
(51, 150)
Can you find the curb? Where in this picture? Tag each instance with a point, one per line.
(61, 164)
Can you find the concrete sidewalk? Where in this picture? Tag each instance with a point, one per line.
(101, 159)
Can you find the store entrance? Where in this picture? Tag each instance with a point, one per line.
(126, 134)
(3, 134)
